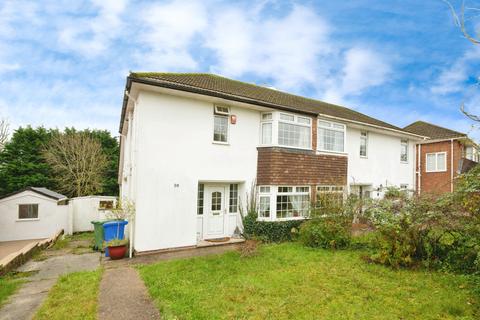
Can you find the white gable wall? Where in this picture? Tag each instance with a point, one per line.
(174, 151)
(51, 217)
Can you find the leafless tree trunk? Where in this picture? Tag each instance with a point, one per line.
(4, 130)
(78, 163)
(460, 21)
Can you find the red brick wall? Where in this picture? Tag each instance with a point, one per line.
(438, 182)
(283, 166)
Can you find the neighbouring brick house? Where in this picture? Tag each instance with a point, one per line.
(196, 147)
(441, 157)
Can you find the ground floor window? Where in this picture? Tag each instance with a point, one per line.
(233, 199)
(200, 199)
(329, 197)
(27, 211)
(283, 202)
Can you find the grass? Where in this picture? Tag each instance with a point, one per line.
(289, 281)
(74, 296)
(8, 286)
(67, 241)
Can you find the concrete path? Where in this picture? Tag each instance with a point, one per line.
(24, 304)
(123, 295)
(8, 247)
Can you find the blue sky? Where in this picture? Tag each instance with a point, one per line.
(64, 63)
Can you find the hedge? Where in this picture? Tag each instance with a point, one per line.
(266, 231)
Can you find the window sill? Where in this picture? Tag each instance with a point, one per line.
(436, 171)
(404, 162)
(281, 219)
(285, 147)
(25, 220)
(363, 157)
(221, 143)
(333, 153)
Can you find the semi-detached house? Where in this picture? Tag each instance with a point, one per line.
(194, 145)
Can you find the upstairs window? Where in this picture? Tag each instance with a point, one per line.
(331, 136)
(220, 124)
(294, 131)
(27, 211)
(267, 126)
(363, 144)
(404, 150)
(286, 129)
(436, 162)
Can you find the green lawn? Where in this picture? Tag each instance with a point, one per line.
(74, 296)
(8, 286)
(289, 281)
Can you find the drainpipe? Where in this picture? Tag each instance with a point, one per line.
(419, 168)
(130, 223)
(451, 165)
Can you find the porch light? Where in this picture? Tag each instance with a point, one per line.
(233, 119)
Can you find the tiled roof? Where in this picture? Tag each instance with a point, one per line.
(432, 131)
(213, 85)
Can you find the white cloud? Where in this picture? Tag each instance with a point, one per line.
(168, 32)
(362, 69)
(452, 79)
(288, 49)
(91, 36)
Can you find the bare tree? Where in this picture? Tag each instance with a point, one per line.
(78, 163)
(460, 20)
(4, 130)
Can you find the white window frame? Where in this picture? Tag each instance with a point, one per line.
(294, 192)
(28, 219)
(404, 142)
(331, 127)
(275, 121)
(265, 192)
(222, 114)
(363, 136)
(436, 161)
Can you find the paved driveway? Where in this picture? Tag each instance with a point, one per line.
(9, 247)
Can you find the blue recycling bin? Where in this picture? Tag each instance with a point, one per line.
(113, 230)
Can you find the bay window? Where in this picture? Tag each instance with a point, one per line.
(293, 202)
(331, 136)
(328, 197)
(283, 202)
(285, 129)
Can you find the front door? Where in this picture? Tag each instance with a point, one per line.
(216, 210)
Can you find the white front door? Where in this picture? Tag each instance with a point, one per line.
(215, 211)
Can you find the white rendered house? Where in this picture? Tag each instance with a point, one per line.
(193, 145)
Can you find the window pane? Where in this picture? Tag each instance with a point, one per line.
(404, 151)
(200, 199)
(264, 189)
(302, 189)
(441, 163)
(28, 211)
(264, 207)
(293, 135)
(285, 189)
(286, 117)
(303, 120)
(363, 144)
(216, 201)
(233, 200)
(431, 162)
(220, 130)
(267, 116)
(266, 133)
(289, 206)
(329, 197)
(330, 140)
(324, 124)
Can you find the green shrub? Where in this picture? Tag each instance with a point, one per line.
(326, 232)
(266, 231)
(434, 232)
